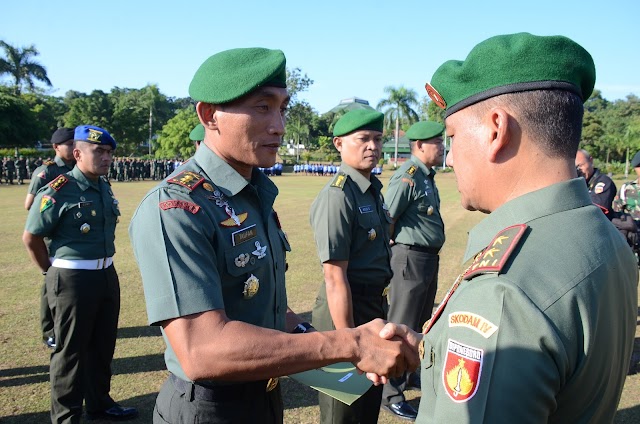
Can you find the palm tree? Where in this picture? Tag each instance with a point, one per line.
(399, 105)
(22, 68)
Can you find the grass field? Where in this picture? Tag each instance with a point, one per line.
(138, 365)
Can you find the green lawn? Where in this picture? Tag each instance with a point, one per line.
(138, 365)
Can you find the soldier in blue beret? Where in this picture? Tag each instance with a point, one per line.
(212, 254)
(77, 213)
(541, 324)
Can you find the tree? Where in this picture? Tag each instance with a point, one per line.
(174, 139)
(399, 106)
(47, 111)
(22, 68)
(92, 109)
(16, 120)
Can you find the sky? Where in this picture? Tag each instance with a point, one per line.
(349, 48)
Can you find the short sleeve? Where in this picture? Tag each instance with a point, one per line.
(331, 220)
(399, 195)
(176, 256)
(37, 182)
(45, 213)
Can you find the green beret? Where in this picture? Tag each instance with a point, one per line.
(197, 133)
(358, 119)
(231, 74)
(424, 130)
(635, 162)
(513, 63)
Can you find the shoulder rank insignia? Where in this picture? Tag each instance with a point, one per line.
(412, 170)
(179, 204)
(48, 162)
(58, 182)
(493, 258)
(339, 180)
(187, 179)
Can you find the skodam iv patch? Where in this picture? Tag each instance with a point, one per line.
(461, 371)
(473, 321)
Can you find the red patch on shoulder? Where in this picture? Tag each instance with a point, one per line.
(179, 204)
(461, 371)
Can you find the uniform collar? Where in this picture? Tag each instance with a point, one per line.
(83, 182)
(61, 163)
(227, 179)
(559, 197)
(417, 162)
(362, 183)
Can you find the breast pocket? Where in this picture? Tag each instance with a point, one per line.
(247, 257)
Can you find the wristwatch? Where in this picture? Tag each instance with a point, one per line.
(302, 328)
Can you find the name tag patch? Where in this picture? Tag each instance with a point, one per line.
(461, 371)
(474, 322)
(365, 209)
(243, 235)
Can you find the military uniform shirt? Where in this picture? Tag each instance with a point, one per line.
(602, 191)
(351, 223)
(46, 173)
(79, 217)
(414, 202)
(628, 200)
(202, 243)
(549, 337)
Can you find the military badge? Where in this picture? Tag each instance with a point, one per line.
(599, 188)
(372, 234)
(461, 371)
(251, 287)
(207, 187)
(94, 136)
(244, 234)
(42, 175)
(82, 198)
(78, 214)
(187, 179)
(242, 260)
(260, 251)
(58, 182)
(46, 203)
(85, 228)
(474, 322)
(365, 209)
(430, 210)
(179, 204)
(339, 181)
(435, 96)
(412, 170)
(230, 222)
(494, 257)
(272, 383)
(93, 213)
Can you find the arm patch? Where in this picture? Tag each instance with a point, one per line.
(494, 257)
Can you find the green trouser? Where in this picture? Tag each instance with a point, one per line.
(46, 319)
(85, 306)
(368, 304)
(237, 403)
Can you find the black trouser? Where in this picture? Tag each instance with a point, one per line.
(46, 319)
(183, 402)
(411, 297)
(85, 306)
(368, 304)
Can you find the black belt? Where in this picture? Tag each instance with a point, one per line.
(222, 393)
(367, 290)
(432, 250)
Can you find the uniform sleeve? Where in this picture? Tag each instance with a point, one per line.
(331, 220)
(399, 195)
(500, 360)
(44, 215)
(176, 256)
(603, 194)
(36, 183)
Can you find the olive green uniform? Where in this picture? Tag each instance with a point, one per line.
(79, 218)
(41, 176)
(532, 323)
(414, 203)
(350, 223)
(208, 239)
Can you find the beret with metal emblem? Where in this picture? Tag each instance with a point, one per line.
(424, 130)
(635, 162)
(231, 74)
(197, 133)
(62, 134)
(94, 135)
(357, 120)
(513, 63)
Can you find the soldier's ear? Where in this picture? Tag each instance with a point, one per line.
(207, 115)
(337, 141)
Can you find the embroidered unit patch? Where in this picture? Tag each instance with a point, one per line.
(475, 322)
(461, 371)
(179, 204)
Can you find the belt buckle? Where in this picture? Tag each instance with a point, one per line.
(272, 384)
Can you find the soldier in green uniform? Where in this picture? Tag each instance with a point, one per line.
(212, 254)
(417, 235)
(532, 331)
(77, 213)
(197, 135)
(351, 227)
(62, 142)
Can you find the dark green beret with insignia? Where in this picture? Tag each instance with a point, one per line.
(635, 162)
(513, 63)
(359, 119)
(231, 74)
(424, 130)
(197, 133)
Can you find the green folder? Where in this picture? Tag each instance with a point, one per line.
(341, 381)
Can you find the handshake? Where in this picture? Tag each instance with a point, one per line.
(386, 350)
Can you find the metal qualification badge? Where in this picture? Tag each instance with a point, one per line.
(251, 287)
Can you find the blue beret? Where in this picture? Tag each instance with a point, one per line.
(94, 135)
